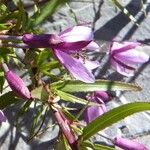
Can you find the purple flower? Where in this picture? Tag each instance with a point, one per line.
(17, 85)
(127, 144)
(65, 46)
(92, 112)
(125, 56)
(2, 117)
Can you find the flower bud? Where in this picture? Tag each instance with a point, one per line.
(127, 144)
(17, 85)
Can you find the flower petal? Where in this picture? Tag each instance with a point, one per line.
(90, 65)
(71, 46)
(133, 56)
(2, 117)
(92, 112)
(101, 96)
(120, 69)
(77, 33)
(119, 47)
(75, 67)
(93, 46)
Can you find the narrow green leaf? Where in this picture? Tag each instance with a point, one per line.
(30, 56)
(24, 108)
(95, 146)
(22, 111)
(71, 98)
(102, 147)
(50, 66)
(2, 80)
(4, 27)
(8, 99)
(52, 76)
(23, 14)
(8, 16)
(113, 116)
(20, 16)
(62, 144)
(46, 11)
(42, 57)
(103, 85)
(37, 119)
(125, 11)
(68, 114)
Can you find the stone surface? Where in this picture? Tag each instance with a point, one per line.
(108, 23)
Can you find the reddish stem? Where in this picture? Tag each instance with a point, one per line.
(64, 126)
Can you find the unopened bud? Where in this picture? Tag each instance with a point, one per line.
(127, 144)
(17, 85)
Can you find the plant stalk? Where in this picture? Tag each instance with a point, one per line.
(66, 129)
(10, 37)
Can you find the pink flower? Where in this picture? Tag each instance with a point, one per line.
(127, 144)
(16, 83)
(2, 117)
(125, 56)
(92, 112)
(65, 45)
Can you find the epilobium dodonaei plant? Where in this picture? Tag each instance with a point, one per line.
(60, 68)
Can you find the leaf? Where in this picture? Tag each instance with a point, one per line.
(68, 114)
(3, 27)
(95, 146)
(52, 76)
(46, 11)
(40, 93)
(125, 11)
(71, 98)
(2, 80)
(103, 85)
(8, 99)
(62, 144)
(24, 108)
(22, 111)
(37, 119)
(50, 66)
(113, 116)
(30, 56)
(21, 18)
(9, 16)
(102, 147)
(42, 57)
